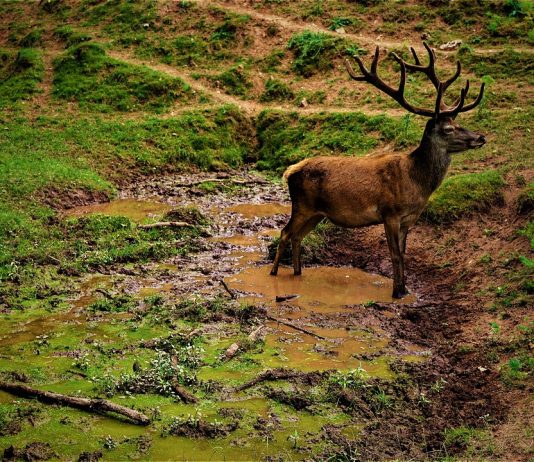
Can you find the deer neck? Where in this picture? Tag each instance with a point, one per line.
(430, 162)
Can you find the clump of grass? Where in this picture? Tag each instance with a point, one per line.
(228, 31)
(20, 74)
(287, 138)
(462, 194)
(275, 90)
(113, 304)
(235, 80)
(189, 214)
(87, 75)
(31, 39)
(461, 437)
(70, 36)
(313, 52)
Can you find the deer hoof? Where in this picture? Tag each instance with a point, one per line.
(274, 272)
(400, 293)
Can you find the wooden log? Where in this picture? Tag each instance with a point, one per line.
(94, 405)
(294, 326)
(271, 374)
(184, 394)
(166, 224)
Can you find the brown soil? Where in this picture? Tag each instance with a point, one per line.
(451, 313)
(63, 199)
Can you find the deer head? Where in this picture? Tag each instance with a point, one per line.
(441, 129)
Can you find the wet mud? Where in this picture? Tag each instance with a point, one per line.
(378, 360)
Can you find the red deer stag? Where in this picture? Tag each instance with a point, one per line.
(392, 188)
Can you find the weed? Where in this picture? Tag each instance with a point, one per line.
(275, 90)
(235, 80)
(355, 378)
(338, 23)
(313, 52)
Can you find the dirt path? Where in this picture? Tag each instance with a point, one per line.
(362, 39)
(250, 107)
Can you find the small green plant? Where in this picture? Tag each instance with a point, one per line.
(313, 52)
(235, 80)
(338, 23)
(355, 378)
(294, 438)
(275, 90)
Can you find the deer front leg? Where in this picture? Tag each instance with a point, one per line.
(296, 242)
(393, 235)
(289, 231)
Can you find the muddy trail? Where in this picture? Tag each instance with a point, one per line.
(277, 367)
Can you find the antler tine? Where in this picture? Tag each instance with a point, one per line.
(373, 78)
(415, 57)
(374, 64)
(439, 106)
(475, 103)
(351, 72)
(453, 112)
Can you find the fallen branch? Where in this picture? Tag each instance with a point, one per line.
(166, 224)
(87, 404)
(272, 374)
(232, 350)
(233, 295)
(294, 326)
(185, 395)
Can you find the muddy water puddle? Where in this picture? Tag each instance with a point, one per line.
(318, 289)
(135, 209)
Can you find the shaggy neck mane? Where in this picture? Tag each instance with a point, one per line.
(430, 163)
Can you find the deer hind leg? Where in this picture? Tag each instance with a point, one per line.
(296, 242)
(295, 223)
(396, 244)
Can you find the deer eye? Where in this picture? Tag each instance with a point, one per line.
(448, 129)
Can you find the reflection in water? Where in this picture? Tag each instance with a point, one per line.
(320, 289)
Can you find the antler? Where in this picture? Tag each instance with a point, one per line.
(441, 109)
(372, 77)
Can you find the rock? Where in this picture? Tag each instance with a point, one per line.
(341, 30)
(303, 102)
(425, 36)
(450, 46)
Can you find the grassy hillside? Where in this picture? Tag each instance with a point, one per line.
(97, 96)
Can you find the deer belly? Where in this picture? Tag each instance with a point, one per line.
(355, 218)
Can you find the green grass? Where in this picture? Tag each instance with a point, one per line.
(508, 64)
(313, 52)
(85, 154)
(234, 80)
(85, 74)
(20, 74)
(288, 138)
(275, 90)
(462, 194)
